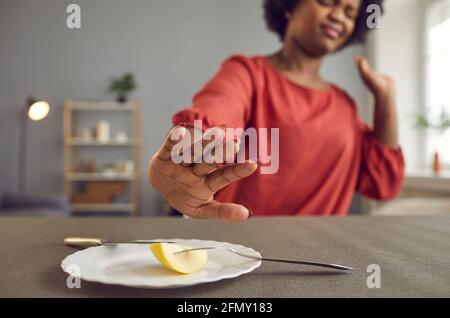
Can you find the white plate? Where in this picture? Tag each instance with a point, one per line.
(135, 266)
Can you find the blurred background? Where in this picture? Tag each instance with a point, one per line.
(111, 87)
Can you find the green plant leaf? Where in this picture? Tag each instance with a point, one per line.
(440, 124)
(124, 85)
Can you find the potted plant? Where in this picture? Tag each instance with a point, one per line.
(123, 86)
(438, 124)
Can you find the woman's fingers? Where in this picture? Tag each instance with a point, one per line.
(175, 136)
(194, 175)
(169, 169)
(221, 211)
(369, 75)
(203, 169)
(379, 84)
(224, 152)
(192, 149)
(208, 210)
(203, 207)
(210, 139)
(222, 177)
(212, 160)
(188, 199)
(189, 150)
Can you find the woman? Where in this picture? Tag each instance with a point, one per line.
(326, 152)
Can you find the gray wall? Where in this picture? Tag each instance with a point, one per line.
(173, 47)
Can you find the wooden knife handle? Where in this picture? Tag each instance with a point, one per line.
(83, 242)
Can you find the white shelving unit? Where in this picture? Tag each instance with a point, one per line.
(72, 143)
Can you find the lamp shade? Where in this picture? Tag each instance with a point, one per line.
(37, 109)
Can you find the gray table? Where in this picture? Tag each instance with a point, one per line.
(412, 252)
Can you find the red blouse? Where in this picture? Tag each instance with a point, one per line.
(326, 152)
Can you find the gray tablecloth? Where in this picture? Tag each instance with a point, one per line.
(412, 252)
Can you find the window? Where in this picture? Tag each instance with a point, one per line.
(437, 75)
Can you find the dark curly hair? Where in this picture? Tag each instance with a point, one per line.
(275, 16)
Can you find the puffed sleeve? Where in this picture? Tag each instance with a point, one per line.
(382, 167)
(225, 99)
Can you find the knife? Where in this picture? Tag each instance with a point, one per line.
(91, 242)
(269, 259)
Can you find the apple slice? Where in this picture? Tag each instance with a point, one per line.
(184, 263)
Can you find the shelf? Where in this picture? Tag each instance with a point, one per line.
(101, 106)
(100, 177)
(101, 207)
(428, 174)
(428, 181)
(93, 143)
(127, 117)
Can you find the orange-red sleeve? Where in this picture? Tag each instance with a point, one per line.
(381, 173)
(224, 100)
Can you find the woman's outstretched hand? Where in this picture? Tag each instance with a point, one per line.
(190, 188)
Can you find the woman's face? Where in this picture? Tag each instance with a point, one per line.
(321, 27)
